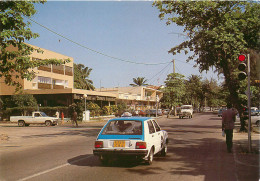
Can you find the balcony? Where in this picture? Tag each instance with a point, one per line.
(44, 86)
(58, 69)
(46, 68)
(68, 71)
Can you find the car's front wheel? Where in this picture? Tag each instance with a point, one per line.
(48, 123)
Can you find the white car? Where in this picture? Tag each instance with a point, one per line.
(186, 111)
(255, 120)
(135, 137)
(36, 118)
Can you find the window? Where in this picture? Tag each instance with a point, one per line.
(156, 126)
(123, 127)
(45, 80)
(150, 126)
(37, 115)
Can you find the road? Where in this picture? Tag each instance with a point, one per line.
(197, 151)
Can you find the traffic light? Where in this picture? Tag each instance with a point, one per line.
(242, 67)
(245, 113)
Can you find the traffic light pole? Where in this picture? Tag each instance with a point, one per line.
(249, 104)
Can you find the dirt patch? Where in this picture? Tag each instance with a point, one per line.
(4, 138)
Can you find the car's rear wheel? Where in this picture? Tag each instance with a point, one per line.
(104, 160)
(164, 150)
(21, 123)
(48, 123)
(150, 157)
(257, 123)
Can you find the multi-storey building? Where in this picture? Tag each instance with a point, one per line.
(54, 84)
(137, 98)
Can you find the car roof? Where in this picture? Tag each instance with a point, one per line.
(131, 119)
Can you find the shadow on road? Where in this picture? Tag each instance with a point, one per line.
(73, 132)
(93, 161)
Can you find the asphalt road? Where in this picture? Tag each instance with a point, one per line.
(196, 151)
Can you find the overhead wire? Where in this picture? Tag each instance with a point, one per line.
(95, 51)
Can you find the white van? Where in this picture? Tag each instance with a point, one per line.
(186, 111)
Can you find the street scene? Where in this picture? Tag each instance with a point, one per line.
(129, 90)
(196, 151)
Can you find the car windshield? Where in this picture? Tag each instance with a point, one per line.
(123, 127)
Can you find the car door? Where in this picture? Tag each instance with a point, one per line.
(38, 118)
(158, 136)
(153, 137)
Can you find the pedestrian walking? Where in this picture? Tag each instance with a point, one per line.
(228, 124)
(57, 114)
(75, 118)
(62, 118)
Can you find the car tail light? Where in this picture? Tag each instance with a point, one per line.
(98, 144)
(140, 145)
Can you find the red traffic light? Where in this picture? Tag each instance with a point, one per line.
(241, 57)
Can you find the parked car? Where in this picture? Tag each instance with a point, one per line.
(166, 111)
(133, 137)
(215, 110)
(126, 114)
(36, 118)
(152, 112)
(255, 120)
(220, 111)
(254, 112)
(141, 113)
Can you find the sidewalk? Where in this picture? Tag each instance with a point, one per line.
(246, 162)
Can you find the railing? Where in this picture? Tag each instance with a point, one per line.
(45, 68)
(59, 69)
(44, 86)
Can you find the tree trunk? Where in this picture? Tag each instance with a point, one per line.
(233, 86)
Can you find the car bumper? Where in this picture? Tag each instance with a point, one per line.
(115, 152)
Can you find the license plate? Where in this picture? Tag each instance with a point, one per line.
(119, 143)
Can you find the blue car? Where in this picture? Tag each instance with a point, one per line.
(136, 137)
(220, 111)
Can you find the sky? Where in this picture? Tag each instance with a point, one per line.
(105, 36)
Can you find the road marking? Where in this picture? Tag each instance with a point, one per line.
(55, 168)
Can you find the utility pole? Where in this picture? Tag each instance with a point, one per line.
(173, 62)
(249, 104)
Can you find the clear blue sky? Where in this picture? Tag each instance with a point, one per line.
(125, 30)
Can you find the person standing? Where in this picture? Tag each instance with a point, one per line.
(75, 118)
(228, 124)
(62, 118)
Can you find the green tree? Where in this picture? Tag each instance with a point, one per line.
(81, 77)
(218, 32)
(193, 93)
(174, 90)
(211, 90)
(139, 81)
(24, 102)
(14, 31)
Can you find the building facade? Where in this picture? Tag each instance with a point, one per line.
(54, 84)
(136, 98)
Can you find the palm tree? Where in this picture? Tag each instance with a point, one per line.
(81, 77)
(139, 81)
